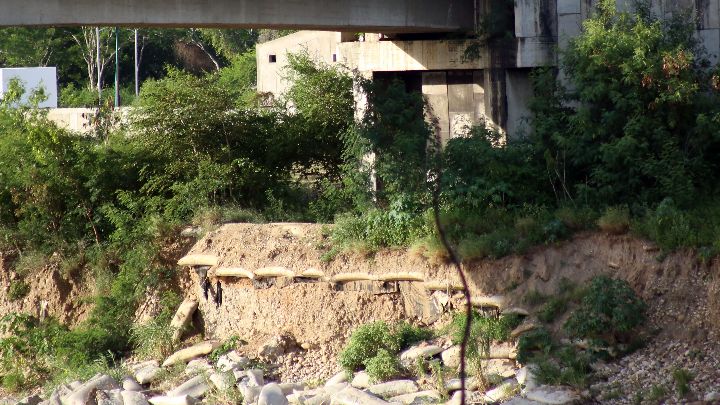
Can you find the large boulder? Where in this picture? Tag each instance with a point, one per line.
(189, 353)
(148, 374)
(418, 398)
(86, 392)
(338, 378)
(232, 361)
(547, 394)
(249, 393)
(195, 387)
(133, 398)
(393, 388)
(223, 381)
(502, 392)
(255, 377)
(111, 397)
(271, 394)
(361, 380)
(168, 400)
(353, 396)
(130, 384)
(410, 356)
(182, 318)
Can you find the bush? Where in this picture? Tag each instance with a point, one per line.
(615, 220)
(682, 378)
(383, 366)
(376, 345)
(671, 228)
(18, 290)
(365, 343)
(609, 312)
(483, 331)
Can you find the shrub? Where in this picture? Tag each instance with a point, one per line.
(609, 312)
(374, 344)
(670, 227)
(615, 220)
(532, 342)
(18, 290)
(682, 378)
(365, 343)
(555, 307)
(383, 366)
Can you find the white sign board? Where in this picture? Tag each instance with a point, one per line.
(32, 78)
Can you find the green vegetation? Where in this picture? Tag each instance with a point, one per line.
(609, 313)
(18, 290)
(483, 331)
(376, 346)
(682, 378)
(606, 314)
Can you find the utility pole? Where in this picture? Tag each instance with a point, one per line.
(97, 60)
(137, 66)
(117, 67)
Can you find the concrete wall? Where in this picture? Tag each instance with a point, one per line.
(335, 15)
(31, 79)
(272, 56)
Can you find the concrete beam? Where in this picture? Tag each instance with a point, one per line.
(328, 15)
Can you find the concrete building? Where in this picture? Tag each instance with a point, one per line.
(495, 86)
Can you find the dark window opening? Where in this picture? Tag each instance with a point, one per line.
(334, 57)
(273, 58)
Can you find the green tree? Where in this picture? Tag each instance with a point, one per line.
(642, 125)
(21, 47)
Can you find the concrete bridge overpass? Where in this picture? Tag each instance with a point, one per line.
(391, 16)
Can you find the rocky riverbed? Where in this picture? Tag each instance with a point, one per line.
(189, 377)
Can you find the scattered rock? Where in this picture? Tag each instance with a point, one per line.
(456, 398)
(521, 401)
(232, 361)
(502, 392)
(222, 381)
(361, 380)
(502, 367)
(712, 396)
(451, 357)
(250, 394)
(189, 353)
(133, 398)
(552, 395)
(417, 398)
(255, 377)
(82, 395)
(515, 311)
(111, 397)
(526, 377)
(289, 388)
(194, 387)
(130, 384)
(197, 366)
(393, 388)
(338, 378)
(271, 394)
(491, 301)
(277, 346)
(148, 374)
(168, 400)
(182, 317)
(353, 396)
(453, 384)
(522, 328)
(409, 356)
(31, 400)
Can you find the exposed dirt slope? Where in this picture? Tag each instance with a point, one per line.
(682, 291)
